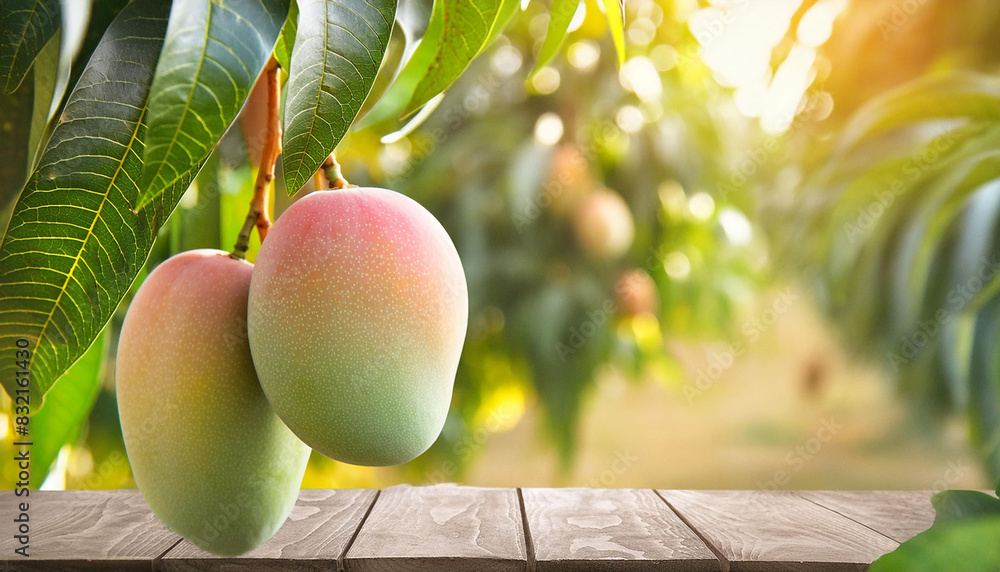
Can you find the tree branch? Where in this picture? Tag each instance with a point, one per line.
(257, 215)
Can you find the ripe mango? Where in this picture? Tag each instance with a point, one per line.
(357, 316)
(208, 453)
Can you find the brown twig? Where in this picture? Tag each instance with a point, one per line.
(257, 215)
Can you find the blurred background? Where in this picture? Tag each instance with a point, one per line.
(763, 253)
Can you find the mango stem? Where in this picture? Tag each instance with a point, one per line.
(258, 216)
(329, 175)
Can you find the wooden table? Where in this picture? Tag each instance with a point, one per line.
(467, 529)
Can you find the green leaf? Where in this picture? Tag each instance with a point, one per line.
(286, 40)
(958, 505)
(25, 27)
(102, 13)
(956, 547)
(45, 73)
(559, 20)
(615, 10)
(15, 129)
(211, 59)
(394, 101)
(467, 28)
(73, 247)
(67, 406)
(339, 47)
(956, 95)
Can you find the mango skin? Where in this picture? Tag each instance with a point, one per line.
(357, 315)
(210, 456)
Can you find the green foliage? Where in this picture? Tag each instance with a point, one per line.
(963, 537)
(415, 64)
(479, 24)
(212, 56)
(910, 241)
(16, 132)
(559, 21)
(73, 246)
(25, 28)
(44, 88)
(339, 47)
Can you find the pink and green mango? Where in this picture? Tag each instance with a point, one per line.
(209, 454)
(358, 312)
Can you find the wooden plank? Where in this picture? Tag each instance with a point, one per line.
(777, 531)
(610, 529)
(86, 530)
(900, 515)
(443, 527)
(314, 537)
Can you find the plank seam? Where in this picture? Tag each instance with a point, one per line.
(341, 566)
(155, 563)
(529, 545)
(724, 564)
(837, 512)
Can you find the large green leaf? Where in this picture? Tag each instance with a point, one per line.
(560, 18)
(213, 54)
(67, 406)
(25, 27)
(102, 13)
(73, 245)
(467, 28)
(339, 47)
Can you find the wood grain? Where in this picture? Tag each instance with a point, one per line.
(85, 530)
(443, 527)
(900, 515)
(777, 531)
(314, 537)
(610, 529)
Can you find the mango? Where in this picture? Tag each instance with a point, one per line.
(603, 225)
(569, 179)
(210, 456)
(636, 293)
(357, 315)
